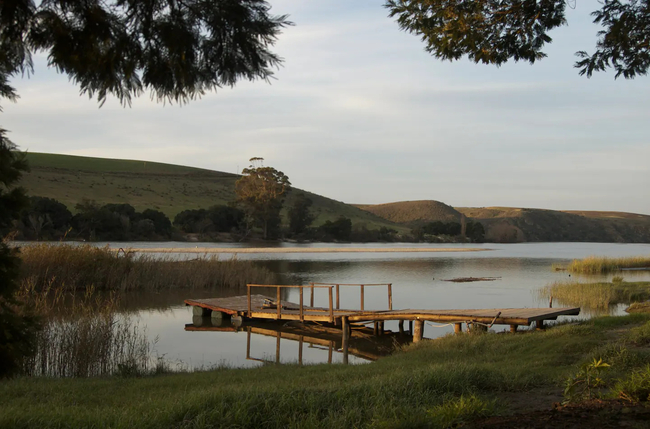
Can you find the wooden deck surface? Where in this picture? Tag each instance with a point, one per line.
(290, 311)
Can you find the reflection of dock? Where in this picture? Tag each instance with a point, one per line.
(362, 344)
(259, 307)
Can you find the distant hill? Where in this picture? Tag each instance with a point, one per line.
(510, 224)
(414, 213)
(165, 187)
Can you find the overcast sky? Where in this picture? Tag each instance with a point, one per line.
(361, 113)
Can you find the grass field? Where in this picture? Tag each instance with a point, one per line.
(434, 384)
(168, 188)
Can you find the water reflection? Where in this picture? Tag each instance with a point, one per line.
(300, 343)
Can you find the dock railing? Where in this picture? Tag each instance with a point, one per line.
(361, 290)
(301, 306)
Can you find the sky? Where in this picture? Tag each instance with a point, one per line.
(360, 113)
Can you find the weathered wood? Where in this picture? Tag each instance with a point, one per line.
(331, 306)
(345, 338)
(458, 328)
(248, 293)
(277, 347)
(513, 328)
(390, 296)
(201, 311)
(338, 297)
(311, 298)
(418, 332)
(381, 327)
(539, 325)
(300, 349)
(375, 330)
(302, 309)
(279, 303)
(401, 326)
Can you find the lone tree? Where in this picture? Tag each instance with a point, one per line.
(175, 49)
(261, 192)
(495, 31)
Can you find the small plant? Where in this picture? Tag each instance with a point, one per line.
(636, 387)
(617, 279)
(585, 382)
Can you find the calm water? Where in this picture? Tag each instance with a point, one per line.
(418, 282)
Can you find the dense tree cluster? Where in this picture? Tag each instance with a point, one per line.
(215, 219)
(474, 231)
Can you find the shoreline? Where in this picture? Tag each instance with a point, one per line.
(298, 250)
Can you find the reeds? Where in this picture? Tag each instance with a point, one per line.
(80, 267)
(83, 336)
(596, 295)
(602, 265)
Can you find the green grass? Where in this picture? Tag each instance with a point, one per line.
(603, 265)
(596, 296)
(165, 187)
(432, 384)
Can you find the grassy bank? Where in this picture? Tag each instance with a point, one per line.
(597, 296)
(603, 265)
(433, 384)
(80, 267)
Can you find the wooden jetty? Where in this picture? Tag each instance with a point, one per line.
(261, 307)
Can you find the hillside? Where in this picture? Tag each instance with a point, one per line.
(413, 213)
(510, 224)
(165, 187)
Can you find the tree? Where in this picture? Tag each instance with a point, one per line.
(16, 331)
(46, 216)
(495, 31)
(340, 229)
(260, 192)
(299, 215)
(177, 49)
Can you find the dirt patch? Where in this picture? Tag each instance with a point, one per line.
(588, 415)
(471, 279)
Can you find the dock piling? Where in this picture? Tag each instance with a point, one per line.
(418, 333)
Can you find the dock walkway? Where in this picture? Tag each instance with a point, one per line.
(260, 307)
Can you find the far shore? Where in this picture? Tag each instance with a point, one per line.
(299, 250)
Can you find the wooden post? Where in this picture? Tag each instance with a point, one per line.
(248, 342)
(418, 333)
(390, 296)
(401, 326)
(550, 302)
(279, 304)
(381, 327)
(361, 297)
(513, 328)
(311, 298)
(302, 312)
(338, 303)
(345, 338)
(331, 306)
(410, 327)
(277, 347)
(375, 329)
(249, 300)
(300, 350)
(539, 325)
(329, 354)
(458, 328)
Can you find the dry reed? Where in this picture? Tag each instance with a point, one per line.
(81, 267)
(596, 295)
(83, 336)
(602, 265)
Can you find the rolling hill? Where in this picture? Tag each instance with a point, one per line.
(165, 187)
(510, 224)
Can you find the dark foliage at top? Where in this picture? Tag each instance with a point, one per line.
(495, 31)
(177, 48)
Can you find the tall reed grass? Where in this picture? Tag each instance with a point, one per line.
(596, 295)
(83, 336)
(80, 267)
(602, 265)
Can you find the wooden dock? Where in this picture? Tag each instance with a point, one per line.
(261, 307)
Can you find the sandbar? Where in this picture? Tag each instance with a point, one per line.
(303, 249)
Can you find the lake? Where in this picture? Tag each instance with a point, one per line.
(418, 281)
